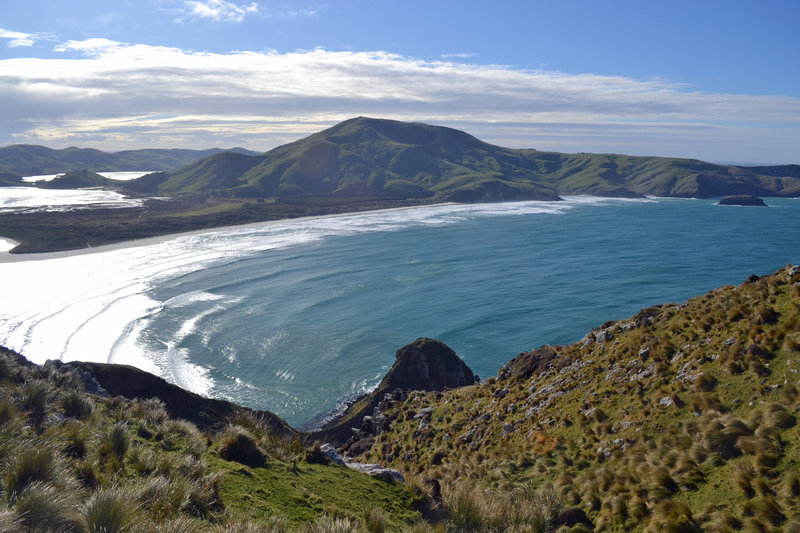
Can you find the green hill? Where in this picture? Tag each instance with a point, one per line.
(368, 158)
(31, 160)
(375, 158)
(75, 179)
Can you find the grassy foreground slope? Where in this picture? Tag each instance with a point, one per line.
(71, 461)
(681, 418)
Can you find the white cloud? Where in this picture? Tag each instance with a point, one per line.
(17, 39)
(91, 47)
(462, 55)
(219, 10)
(121, 95)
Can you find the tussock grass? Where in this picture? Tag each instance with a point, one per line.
(43, 507)
(237, 444)
(110, 511)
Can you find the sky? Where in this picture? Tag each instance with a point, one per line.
(712, 80)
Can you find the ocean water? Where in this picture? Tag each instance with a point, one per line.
(123, 175)
(295, 317)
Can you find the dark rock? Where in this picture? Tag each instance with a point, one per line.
(359, 447)
(428, 365)
(527, 364)
(742, 199)
(425, 364)
(572, 516)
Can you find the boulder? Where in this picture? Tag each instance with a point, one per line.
(388, 474)
(527, 364)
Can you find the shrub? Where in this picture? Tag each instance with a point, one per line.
(237, 444)
(743, 478)
(164, 498)
(772, 415)
(109, 511)
(114, 444)
(465, 508)
(178, 433)
(768, 509)
(327, 524)
(203, 497)
(31, 464)
(8, 411)
(152, 410)
(374, 521)
(791, 486)
(75, 439)
(705, 382)
(41, 507)
(87, 474)
(35, 399)
(76, 405)
(672, 516)
(765, 315)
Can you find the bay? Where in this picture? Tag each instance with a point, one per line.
(297, 316)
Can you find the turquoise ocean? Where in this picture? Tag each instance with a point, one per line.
(298, 316)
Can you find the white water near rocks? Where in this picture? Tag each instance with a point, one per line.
(298, 315)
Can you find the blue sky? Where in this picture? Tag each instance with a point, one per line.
(713, 80)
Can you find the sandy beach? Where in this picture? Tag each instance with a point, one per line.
(6, 244)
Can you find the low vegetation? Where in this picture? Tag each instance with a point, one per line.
(681, 418)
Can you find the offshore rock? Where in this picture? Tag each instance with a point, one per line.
(742, 199)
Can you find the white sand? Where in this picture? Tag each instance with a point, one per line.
(6, 257)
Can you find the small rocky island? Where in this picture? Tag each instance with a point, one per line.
(742, 199)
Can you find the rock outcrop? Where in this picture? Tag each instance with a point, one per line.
(742, 199)
(425, 364)
(428, 365)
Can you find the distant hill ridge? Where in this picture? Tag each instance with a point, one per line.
(367, 157)
(19, 160)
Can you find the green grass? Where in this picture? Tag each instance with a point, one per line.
(661, 453)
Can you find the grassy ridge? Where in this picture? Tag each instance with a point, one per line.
(681, 418)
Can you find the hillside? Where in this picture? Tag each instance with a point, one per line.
(681, 418)
(373, 158)
(20, 160)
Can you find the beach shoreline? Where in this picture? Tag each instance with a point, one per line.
(6, 255)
